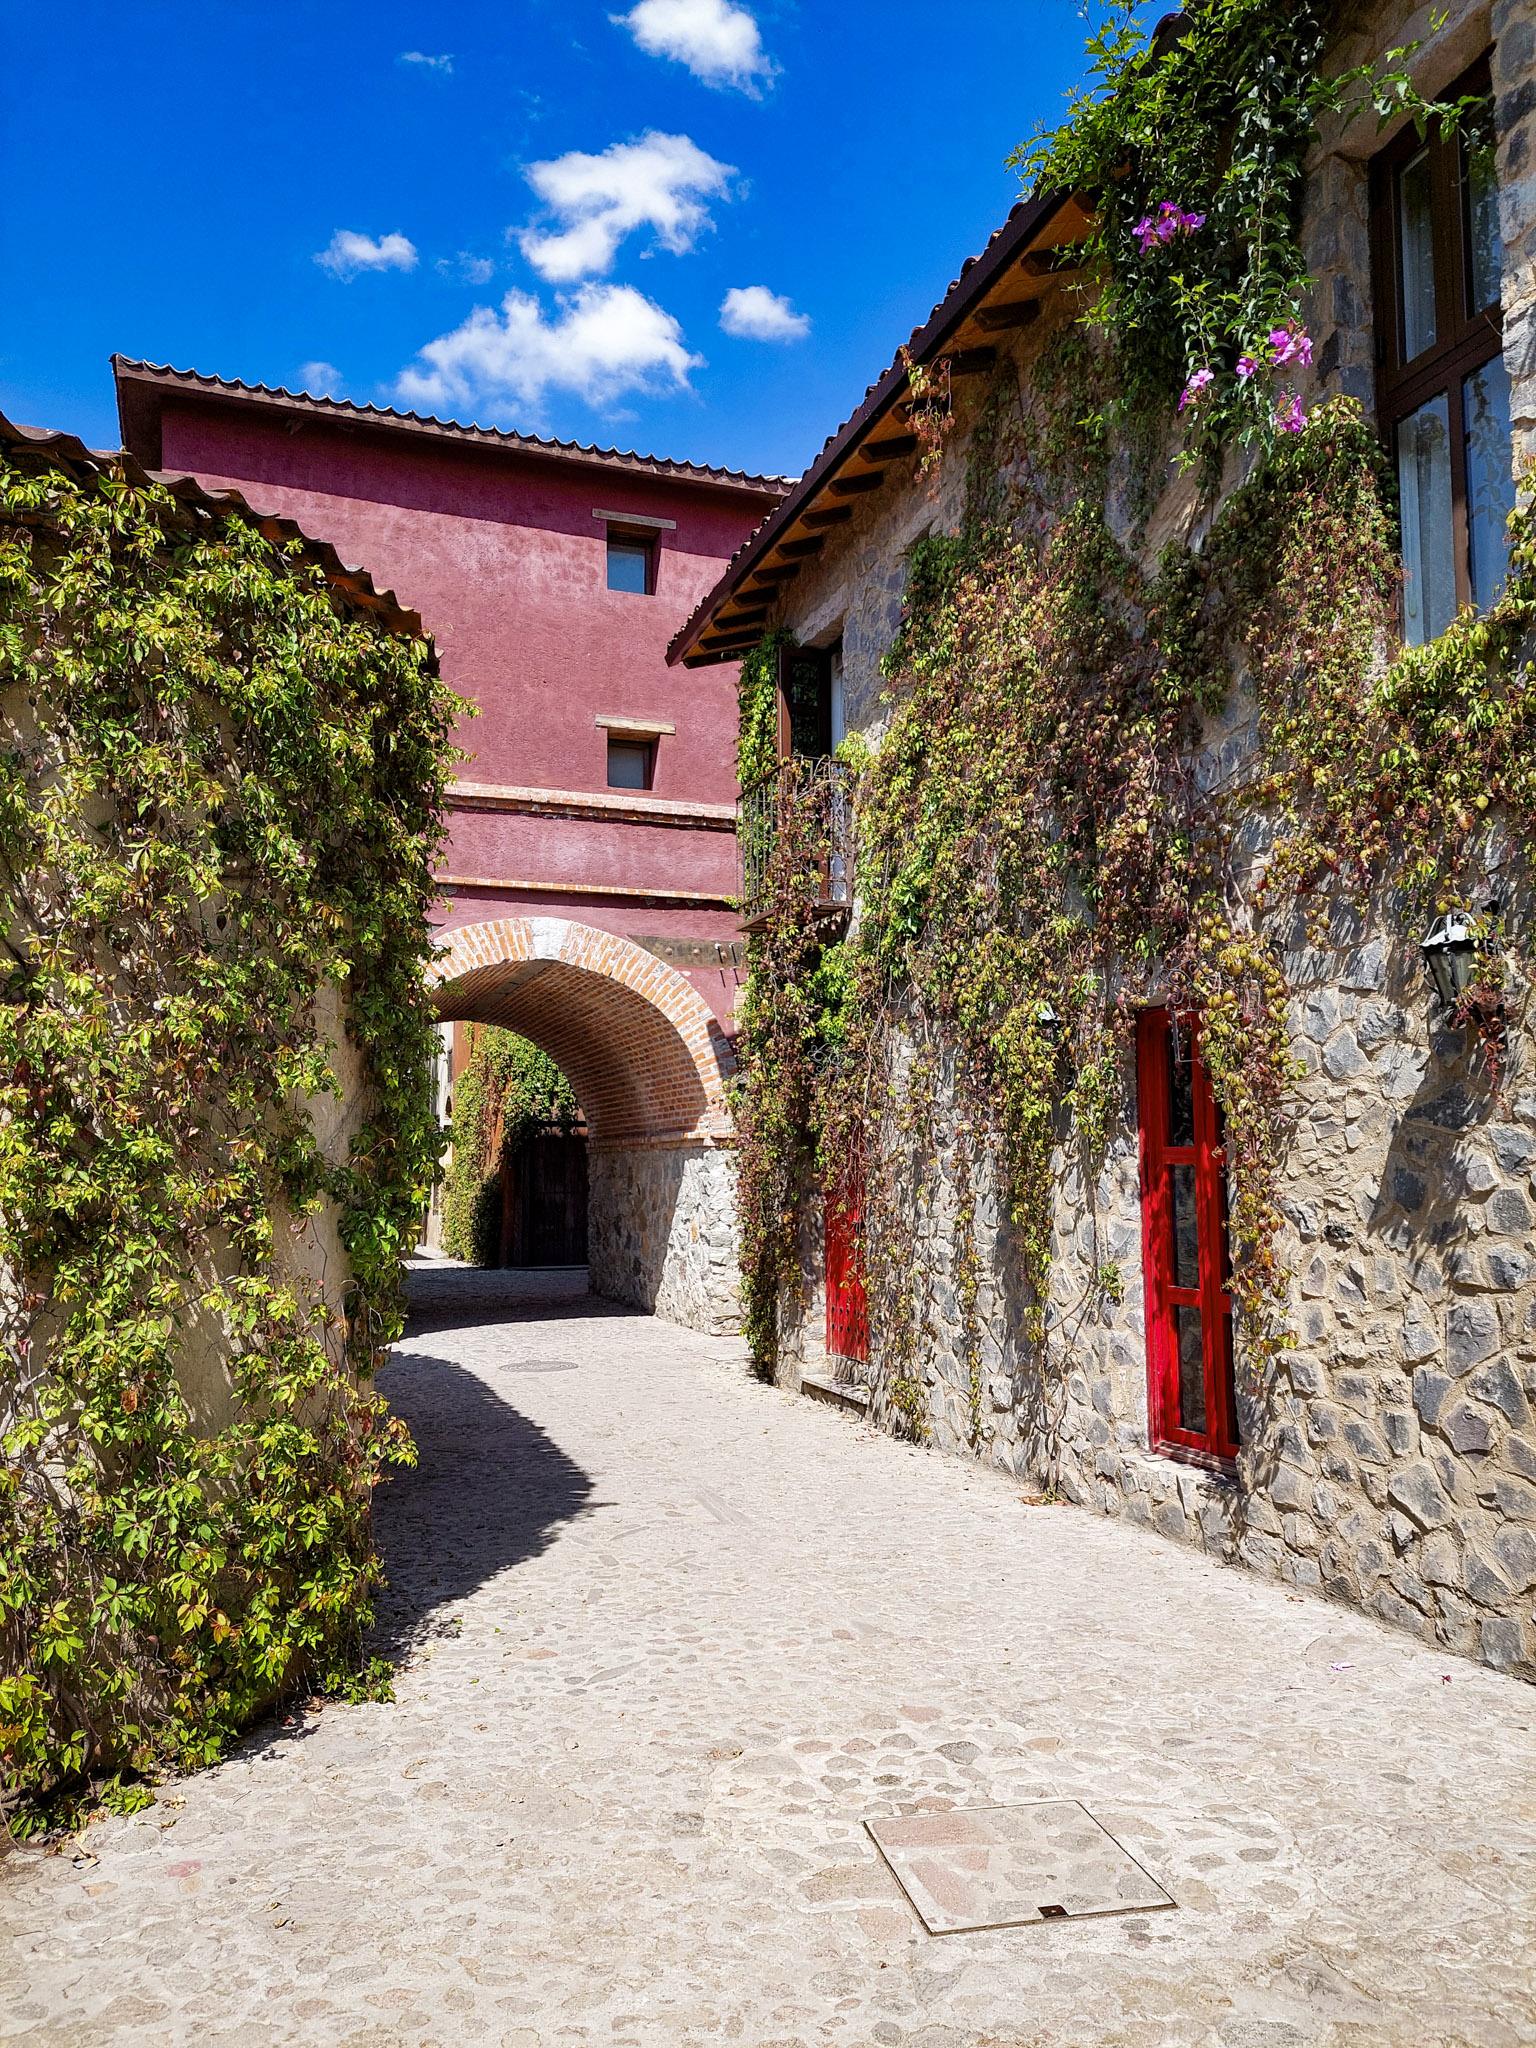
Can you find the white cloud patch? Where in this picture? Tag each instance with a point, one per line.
(442, 65)
(605, 340)
(754, 313)
(349, 252)
(320, 380)
(657, 181)
(466, 268)
(720, 43)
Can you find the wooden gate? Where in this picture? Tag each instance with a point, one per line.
(847, 1302)
(544, 1201)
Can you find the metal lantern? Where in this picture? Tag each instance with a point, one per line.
(1049, 1025)
(1451, 950)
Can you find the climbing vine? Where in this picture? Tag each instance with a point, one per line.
(508, 1091)
(1053, 831)
(1193, 144)
(220, 792)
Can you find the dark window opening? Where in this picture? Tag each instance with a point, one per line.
(1192, 1399)
(805, 702)
(630, 763)
(1443, 388)
(631, 563)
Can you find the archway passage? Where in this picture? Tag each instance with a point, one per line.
(649, 1063)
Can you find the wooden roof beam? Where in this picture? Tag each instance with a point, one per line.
(1016, 313)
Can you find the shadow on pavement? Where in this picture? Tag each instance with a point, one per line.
(447, 1296)
(489, 1490)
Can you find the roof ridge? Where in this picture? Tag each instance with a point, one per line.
(548, 444)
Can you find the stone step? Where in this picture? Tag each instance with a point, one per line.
(821, 1386)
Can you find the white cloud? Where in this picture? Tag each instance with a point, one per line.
(349, 252)
(443, 64)
(466, 268)
(754, 313)
(320, 380)
(718, 42)
(605, 340)
(657, 181)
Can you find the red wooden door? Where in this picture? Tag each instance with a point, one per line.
(1192, 1399)
(847, 1303)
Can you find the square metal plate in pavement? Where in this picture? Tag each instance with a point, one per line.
(1005, 1866)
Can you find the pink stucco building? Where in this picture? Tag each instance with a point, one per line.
(600, 784)
(589, 880)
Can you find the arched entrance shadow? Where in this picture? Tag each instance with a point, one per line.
(489, 1491)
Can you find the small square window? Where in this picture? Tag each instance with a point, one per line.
(630, 564)
(629, 763)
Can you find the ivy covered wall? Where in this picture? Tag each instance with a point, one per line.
(222, 766)
(1122, 647)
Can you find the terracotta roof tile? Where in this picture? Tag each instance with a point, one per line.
(162, 376)
(64, 451)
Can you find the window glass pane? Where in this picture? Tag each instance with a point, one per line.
(1416, 243)
(629, 563)
(1485, 251)
(1181, 1087)
(1186, 1230)
(1424, 481)
(1490, 478)
(629, 764)
(1191, 1339)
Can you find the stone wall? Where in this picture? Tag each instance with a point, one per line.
(661, 1232)
(1390, 1459)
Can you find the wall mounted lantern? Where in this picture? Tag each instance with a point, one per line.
(1454, 950)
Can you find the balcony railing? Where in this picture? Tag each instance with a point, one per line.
(795, 838)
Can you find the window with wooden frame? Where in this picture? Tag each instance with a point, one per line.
(1192, 1399)
(631, 762)
(1443, 390)
(805, 702)
(631, 561)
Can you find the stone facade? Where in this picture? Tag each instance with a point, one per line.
(1390, 1459)
(661, 1225)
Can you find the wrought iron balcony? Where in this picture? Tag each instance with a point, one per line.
(795, 839)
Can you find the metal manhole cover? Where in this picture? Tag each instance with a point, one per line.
(540, 1365)
(1008, 1866)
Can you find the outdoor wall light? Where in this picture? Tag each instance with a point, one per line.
(1453, 950)
(1049, 1025)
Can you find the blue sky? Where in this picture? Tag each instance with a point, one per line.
(554, 199)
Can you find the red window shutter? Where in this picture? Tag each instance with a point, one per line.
(1192, 1403)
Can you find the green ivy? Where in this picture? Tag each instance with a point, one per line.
(1193, 142)
(757, 699)
(1039, 853)
(507, 1091)
(221, 788)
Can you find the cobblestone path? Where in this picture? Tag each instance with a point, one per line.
(670, 1638)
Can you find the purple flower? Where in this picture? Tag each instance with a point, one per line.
(1292, 344)
(1290, 413)
(1155, 231)
(1195, 389)
(1247, 366)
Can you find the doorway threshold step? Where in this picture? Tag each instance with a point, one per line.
(821, 1386)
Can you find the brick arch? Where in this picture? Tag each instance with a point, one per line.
(642, 1049)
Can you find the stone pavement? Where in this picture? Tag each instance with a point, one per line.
(669, 1638)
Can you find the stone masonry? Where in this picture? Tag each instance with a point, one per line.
(1391, 1461)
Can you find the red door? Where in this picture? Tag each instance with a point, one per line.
(847, 1303)
(1192, 1400)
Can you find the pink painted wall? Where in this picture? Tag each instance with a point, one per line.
(501, 556)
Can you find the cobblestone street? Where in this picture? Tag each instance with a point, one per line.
(670, 1638)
